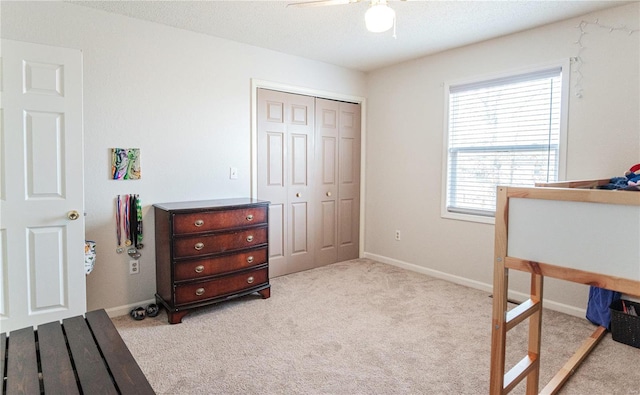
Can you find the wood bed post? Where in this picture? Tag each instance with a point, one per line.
(500, 287)
(535, 333)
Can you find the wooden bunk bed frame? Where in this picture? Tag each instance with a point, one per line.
(625, 279)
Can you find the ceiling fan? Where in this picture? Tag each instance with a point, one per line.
(378, 18)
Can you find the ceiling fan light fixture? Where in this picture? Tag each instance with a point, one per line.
(379, 17)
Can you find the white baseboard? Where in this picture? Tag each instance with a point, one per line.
(124, 310)
(513, 295)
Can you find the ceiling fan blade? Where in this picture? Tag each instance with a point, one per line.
(320, 3)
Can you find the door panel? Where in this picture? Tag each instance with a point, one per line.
(326, 195)
(349, 182)
(42, 252)
(47, 282)
(285, 153)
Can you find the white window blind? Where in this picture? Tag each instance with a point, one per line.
(501, 132)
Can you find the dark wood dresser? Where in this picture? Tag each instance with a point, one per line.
(210, 251)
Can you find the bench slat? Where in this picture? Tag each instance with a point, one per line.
(22, 364)
(57, 373)
(92, 372)
(125, 370)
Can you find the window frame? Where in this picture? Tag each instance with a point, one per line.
(564, 66)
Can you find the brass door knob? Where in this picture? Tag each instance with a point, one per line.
(73, 215)
(298, 194)
(329, 194)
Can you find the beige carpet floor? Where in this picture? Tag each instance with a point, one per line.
(360, 327)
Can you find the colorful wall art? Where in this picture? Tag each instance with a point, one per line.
(125, 163)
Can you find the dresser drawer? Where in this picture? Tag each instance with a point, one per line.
(194, 269)
(218, 220)
(219, 242)
(229, 285)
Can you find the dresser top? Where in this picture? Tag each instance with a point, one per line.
(211, 204)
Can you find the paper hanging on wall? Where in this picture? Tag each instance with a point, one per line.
(125, 163)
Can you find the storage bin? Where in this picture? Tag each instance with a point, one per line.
(625, 328)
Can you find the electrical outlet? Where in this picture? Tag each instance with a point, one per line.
(134, 267)
(397, 235)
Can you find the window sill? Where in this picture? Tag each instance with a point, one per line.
(468, 217)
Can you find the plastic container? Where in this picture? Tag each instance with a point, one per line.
(625, 328)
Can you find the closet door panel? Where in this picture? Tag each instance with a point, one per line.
(349, 182)
(326, 195)
(285, 138)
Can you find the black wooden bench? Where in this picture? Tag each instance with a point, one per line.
(81, 355)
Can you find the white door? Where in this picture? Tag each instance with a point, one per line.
(285, 172)
(42, 200)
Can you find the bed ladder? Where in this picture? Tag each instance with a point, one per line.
(502, 322)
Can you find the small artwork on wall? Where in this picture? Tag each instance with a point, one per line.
(125, 163)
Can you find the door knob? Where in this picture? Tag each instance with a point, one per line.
(329, 194)
(73, 215)
(298, 194)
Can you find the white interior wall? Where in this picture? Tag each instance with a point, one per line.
(405, 142)
(183, 98)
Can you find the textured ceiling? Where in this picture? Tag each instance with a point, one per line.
(337, 35)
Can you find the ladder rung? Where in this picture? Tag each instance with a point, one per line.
(519, 371)
(520, 313)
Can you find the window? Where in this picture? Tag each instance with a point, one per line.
(502, 131)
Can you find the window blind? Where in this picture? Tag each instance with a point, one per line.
(502, 132)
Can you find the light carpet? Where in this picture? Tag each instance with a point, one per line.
(360, 327)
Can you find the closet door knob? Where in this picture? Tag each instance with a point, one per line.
(249, 238)
(298, 194)
(199, 269)
(329, 194)
(199, 246)
(199, 223)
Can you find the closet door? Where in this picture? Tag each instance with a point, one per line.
(285, 158)
(349, 182)
(337, 182)
(326, 195)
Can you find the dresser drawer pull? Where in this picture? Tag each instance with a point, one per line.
(199, 246)
(250, 280)
(250, 259)
(199, 291)
(250, 217)
(199, 269)
(199, 223)
(249, 238)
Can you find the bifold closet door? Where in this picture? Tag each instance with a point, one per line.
(337, 181)
(286, 125)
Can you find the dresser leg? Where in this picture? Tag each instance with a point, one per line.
(176, 318)
(265, 293)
